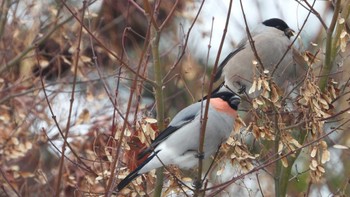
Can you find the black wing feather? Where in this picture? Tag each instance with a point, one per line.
(221, 68)
(223, 63)
(164, 135)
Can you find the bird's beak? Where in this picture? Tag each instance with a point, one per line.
(289, 32)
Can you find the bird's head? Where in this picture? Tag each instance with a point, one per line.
(281, 25)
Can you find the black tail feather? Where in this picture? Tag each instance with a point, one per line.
(134, 173)
(127, 180)
(145, 152)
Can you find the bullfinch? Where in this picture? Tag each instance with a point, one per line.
(178, 143)
(271, 40)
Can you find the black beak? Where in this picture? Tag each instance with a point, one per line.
(289, 32)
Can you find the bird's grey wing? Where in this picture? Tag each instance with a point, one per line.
(182, 118)
(223, 63)
(241, 45)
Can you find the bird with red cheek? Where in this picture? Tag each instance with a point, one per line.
(178, 143)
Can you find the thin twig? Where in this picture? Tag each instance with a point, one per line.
(250, 38)
(207, 58)
(317, 14)
(158, 88)
(185, 44)
(53, 116)
(261, 191)
(205, 117)
(124, 64)
(137, 6)
(60, 171)
(102, 78)
(128, 109)
(279, 187)
(150, 13)
(295, 39)
(60, 153)
(169, 15)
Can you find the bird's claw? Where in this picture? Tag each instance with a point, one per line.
(200, 155)
(197, 184)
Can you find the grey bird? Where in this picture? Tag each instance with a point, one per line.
(271, 41)
(178, 144)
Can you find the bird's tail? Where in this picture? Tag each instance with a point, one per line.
(134, 173)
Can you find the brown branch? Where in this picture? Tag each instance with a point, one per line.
(185, 44)
(250, 38)
(205, 117)
(137, 6)
(53, 116)
(128, 109)
(95, 62)
(169, 15)
(149, 12)
(261, 191)
(207, 58)
(317, 14)
(60, 171)
(58, 150)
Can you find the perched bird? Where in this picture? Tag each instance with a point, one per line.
(271, 41)
(178, 143)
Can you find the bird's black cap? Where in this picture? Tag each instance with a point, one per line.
(279, 24)
(276, 23)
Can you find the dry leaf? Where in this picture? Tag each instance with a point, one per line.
(284, 162)
(325, 156)
(338, 146)
(253, 87)
(84, 117)
(280, 148)
(313, 152)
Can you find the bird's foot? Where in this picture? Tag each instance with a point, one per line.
(200, 155)
(197, 184)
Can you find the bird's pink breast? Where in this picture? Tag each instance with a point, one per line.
(222, 106)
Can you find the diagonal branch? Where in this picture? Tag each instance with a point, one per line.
(250, 38)
(205, 117)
